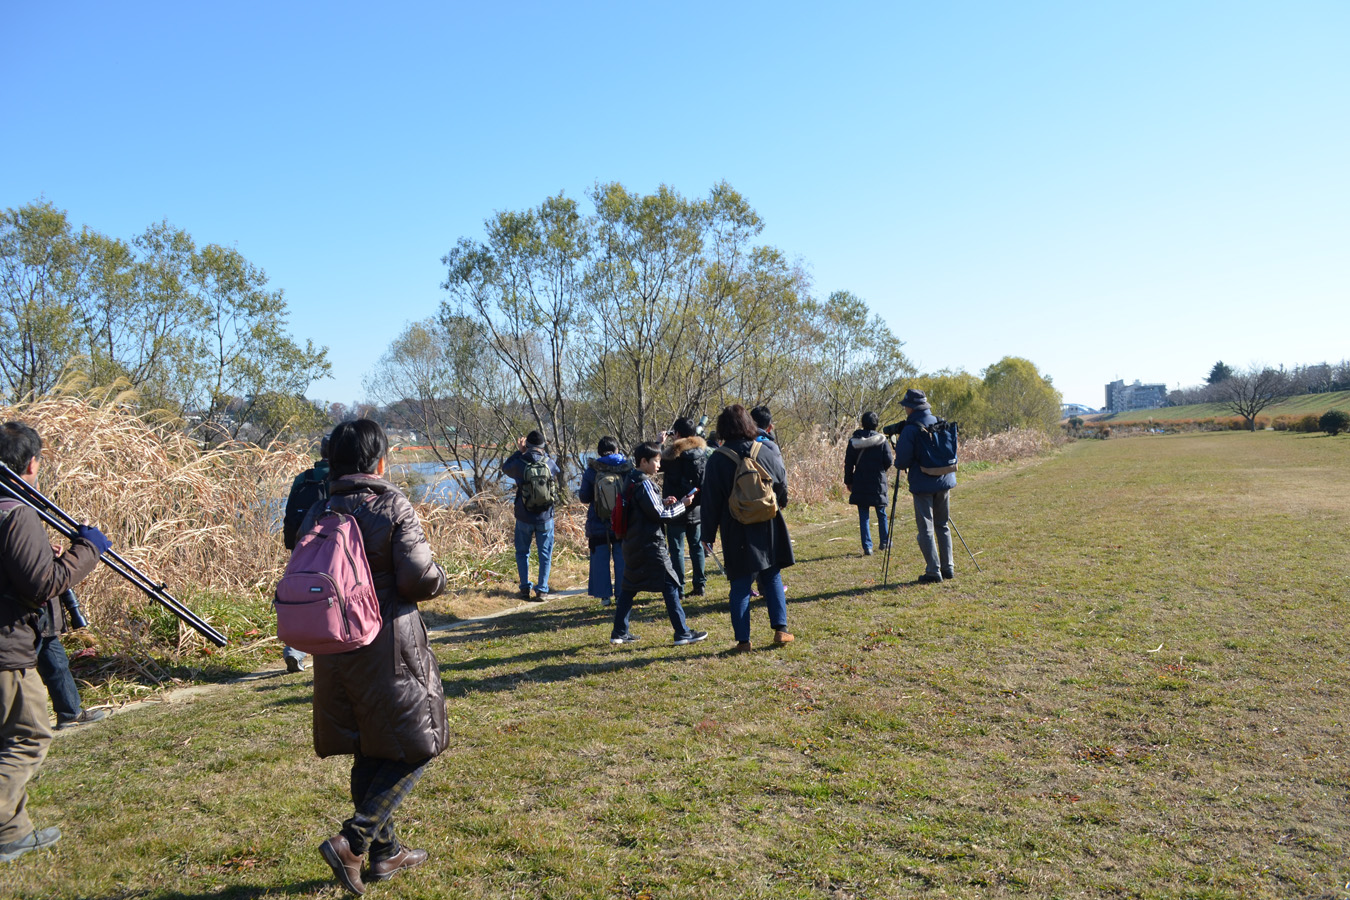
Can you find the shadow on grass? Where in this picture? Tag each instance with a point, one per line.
(629, 658)
(234, 892)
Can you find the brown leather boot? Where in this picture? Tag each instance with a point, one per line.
(782, 637)
(384, 869)
(346, 865)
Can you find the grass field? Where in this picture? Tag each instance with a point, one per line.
(1293, 406)
(1143, 695)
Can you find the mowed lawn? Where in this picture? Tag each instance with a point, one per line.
(1142, 695)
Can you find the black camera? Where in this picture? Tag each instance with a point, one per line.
(894, 429)
(74, 615)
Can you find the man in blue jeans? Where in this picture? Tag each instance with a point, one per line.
(536, 478)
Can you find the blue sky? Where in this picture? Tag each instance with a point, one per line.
(1110, 189)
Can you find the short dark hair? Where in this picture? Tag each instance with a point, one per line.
(356, 447)
(870, 421)
(735, 424)
(761, 416)
(684, 427)
(646, 450)
(607, 446)
(19, 443)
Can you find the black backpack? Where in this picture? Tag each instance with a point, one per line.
(307, 491)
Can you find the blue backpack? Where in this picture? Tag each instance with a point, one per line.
(936, 448)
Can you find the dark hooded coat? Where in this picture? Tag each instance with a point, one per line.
(646, 560)
(384, 699)
(682, 465)
(866, 462)
(746, 549)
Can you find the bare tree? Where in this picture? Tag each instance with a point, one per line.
(1247, 393)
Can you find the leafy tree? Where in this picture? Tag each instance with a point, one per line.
(1018, 396)
(1219, 373)
(40, 259)
(1247, 393)
(1334, 421)
(522, 287)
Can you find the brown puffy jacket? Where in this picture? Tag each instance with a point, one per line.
(384, 699)
(30, 575)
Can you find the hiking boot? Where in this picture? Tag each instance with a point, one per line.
(294, 665)
(624, 638)
(782, 637)
(84, 718)
(741, 647)
(884, 545)
(948, 574)
(524, 592)
(540, 594)
(345, 864)
(697, 592)
(384, 869)
(693, 638)
(35, 840)
(867, 551)
(925, 578)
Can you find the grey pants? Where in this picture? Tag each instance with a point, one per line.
(930, 519)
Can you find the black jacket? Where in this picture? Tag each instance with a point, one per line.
(308, 488)
(646, 561)
(746, 549)
(866, 462)
(682, 467)
(384, 699)
(30, 575)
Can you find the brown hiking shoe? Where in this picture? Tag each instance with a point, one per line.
(386, 868)
(346, 865)
(742, 647)
(782, 637)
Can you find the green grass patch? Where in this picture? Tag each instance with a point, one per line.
(1143, 694)
(1301, 405)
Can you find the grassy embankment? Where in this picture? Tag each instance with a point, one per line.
(1143, 695)
(1301, 405)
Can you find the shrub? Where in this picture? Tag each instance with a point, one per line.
(1334, 421)
(1309, 424)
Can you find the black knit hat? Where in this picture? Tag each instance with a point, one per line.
(535, 439)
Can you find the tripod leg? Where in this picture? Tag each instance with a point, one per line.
(890, 538)
(964, 544)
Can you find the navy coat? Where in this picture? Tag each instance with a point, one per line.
(746, 549)
(906, 458)
(866, 462)
(646, 561)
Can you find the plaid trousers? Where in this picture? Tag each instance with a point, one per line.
(379, 787)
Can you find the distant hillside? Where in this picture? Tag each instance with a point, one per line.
(1294, 406)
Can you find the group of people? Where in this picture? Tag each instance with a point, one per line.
(383, 704)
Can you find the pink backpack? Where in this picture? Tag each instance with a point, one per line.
(325, 600)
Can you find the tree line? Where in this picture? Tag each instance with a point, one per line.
(618, 318)
(1247, 392)
(191, 330)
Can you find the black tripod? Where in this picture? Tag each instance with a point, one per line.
(66, 525)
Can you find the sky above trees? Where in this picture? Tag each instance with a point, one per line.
(1109, 190)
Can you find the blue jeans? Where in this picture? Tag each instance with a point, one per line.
(671, 594)
(54, 667)
(542, 536)
(602, 552)
(677, 532)
(864, 524)
(771, 586)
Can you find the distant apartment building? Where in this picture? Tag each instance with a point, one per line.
(1121, 396)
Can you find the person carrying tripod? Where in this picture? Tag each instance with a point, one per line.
(30, 575)
(930, 491)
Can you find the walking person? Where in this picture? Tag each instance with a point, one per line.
(601, 485)
(930, 492)
(646, 560)
(536, 478)
(382, 703)
(753, 553)
(867, 460)
(308, 488)
(683, 461)
(30, 575)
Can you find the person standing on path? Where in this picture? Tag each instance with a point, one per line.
(536, 478)
(866, 462)
(683, 462)
(753, 553)
(601, 485)
(930, 492)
